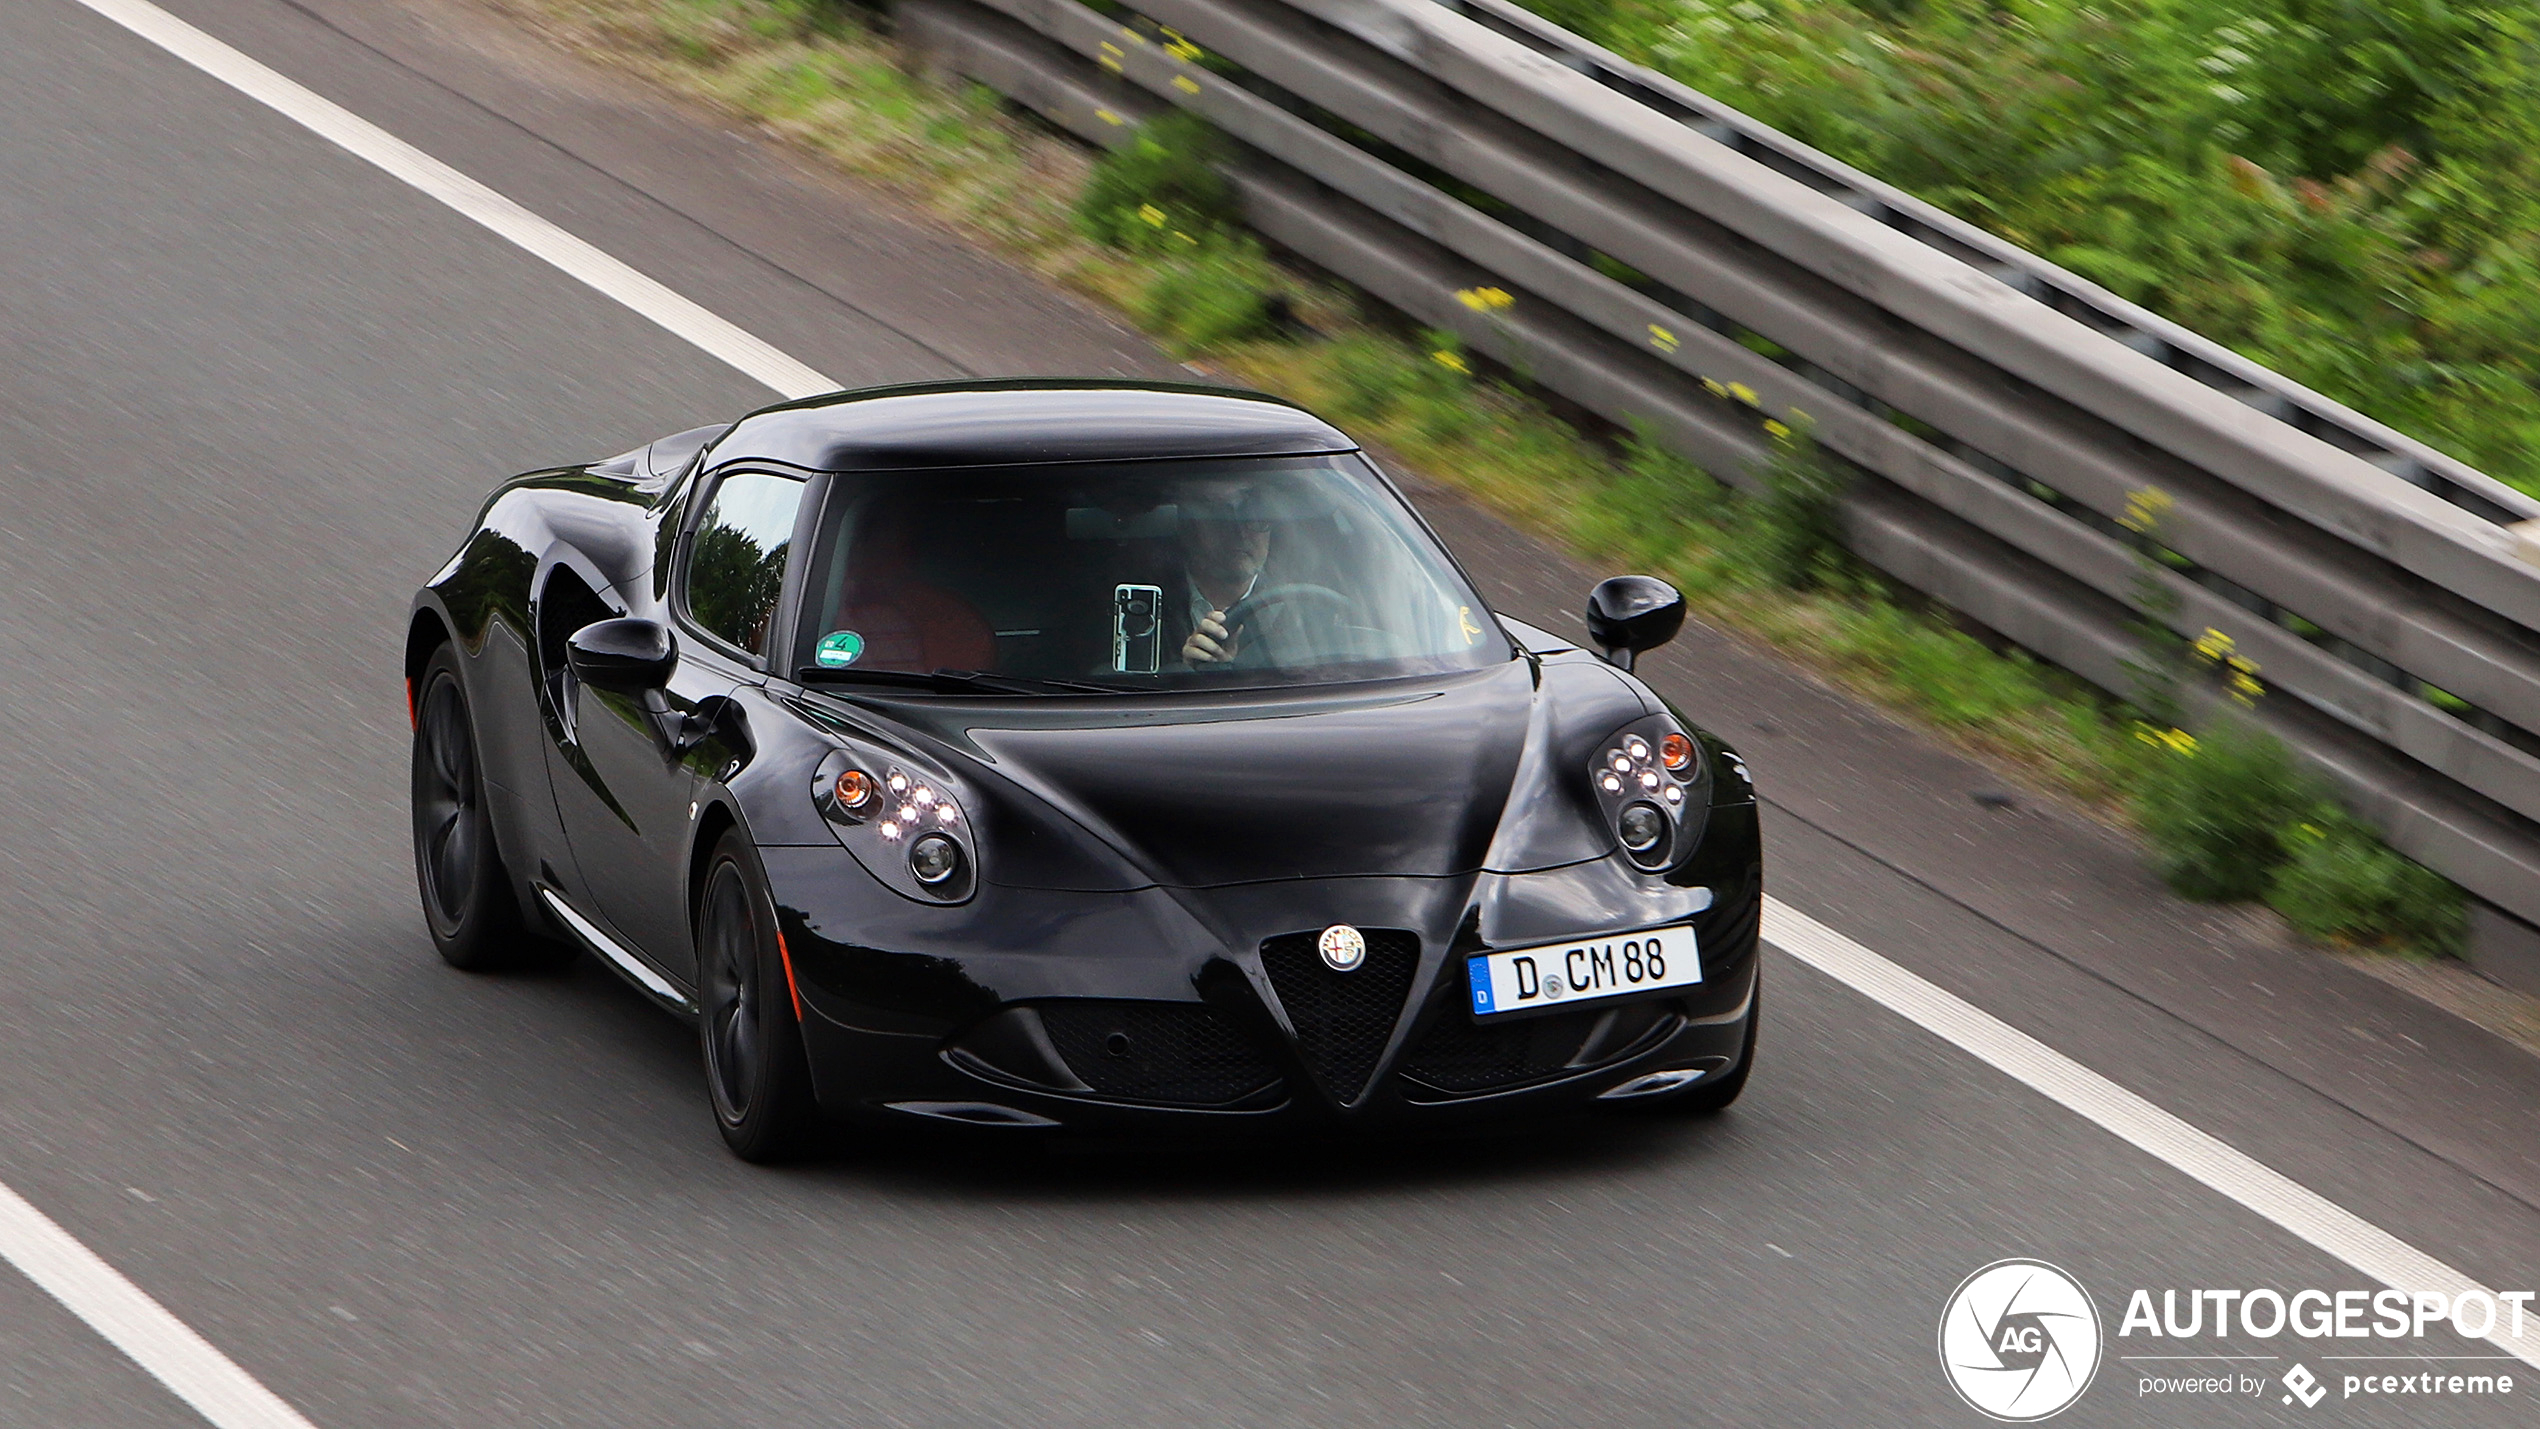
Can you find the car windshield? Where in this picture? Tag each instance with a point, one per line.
(1147, 576)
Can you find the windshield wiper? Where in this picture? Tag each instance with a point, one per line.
(952, 681)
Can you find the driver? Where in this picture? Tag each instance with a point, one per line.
(1225, 546)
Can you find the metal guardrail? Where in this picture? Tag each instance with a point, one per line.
(1676, 263)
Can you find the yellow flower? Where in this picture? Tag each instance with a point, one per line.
(2143, 509)
(1153, 216)
(1712, 386)
(1661, 339)
(2177, 741)
(1744, 393)
(2213, 645)
(1451, 361)
(1186, 84)
(1485, 300)
(1776, 428)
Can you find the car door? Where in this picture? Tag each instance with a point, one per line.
(629, 813)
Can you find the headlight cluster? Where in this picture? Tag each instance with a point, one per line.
(1646, 779)
(906, 826)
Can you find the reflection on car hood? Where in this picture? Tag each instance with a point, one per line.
(1419, 778)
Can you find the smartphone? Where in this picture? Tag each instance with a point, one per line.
(1137, 628)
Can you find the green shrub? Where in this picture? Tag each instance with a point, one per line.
(1161, 187)
(1437, 395)
(2345, 191)
(1794, 527)
(1370, 377)
(2214, 808)
(2340, 883)
(1207, 296)
(1426, 386)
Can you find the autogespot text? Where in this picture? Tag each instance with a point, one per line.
(2330, 1315)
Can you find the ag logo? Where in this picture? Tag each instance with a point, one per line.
(2019, 1340)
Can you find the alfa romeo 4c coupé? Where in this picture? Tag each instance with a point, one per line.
(1074, 754)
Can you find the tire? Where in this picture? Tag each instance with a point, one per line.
(1713, 1097)
(757, 1074)
(468, 900)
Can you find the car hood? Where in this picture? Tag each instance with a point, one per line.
(1430, 778)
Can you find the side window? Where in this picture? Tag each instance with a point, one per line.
(736, 561)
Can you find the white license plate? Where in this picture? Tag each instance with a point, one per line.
(1586, 971)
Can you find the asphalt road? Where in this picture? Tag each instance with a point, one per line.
(250, 391)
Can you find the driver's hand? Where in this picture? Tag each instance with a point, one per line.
(1209, 643)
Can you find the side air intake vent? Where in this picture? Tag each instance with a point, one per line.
(1342, 1019)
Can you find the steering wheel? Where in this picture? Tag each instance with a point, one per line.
(1296, 593)
(1335, 606)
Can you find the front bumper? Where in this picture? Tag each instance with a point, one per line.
(1193, 1010)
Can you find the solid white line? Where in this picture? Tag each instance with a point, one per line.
(136, 1324)
(2238, 1177)
(365, 140)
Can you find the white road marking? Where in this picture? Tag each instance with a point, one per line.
(136, 1324)
(2239, 1177)
(228, 1397)
(365, 140)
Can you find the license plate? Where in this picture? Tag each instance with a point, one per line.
(1584, 972)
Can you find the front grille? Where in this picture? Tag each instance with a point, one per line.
(1455, 1055)
(1342, 1020)
(1156, 1051)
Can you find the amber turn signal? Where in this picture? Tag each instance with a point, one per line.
(1676, 752)
(855, 789)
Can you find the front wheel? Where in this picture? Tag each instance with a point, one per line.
(756, 1070)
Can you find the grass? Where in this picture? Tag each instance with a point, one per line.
(1151, 233)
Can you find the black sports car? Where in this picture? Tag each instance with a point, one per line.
(1083, 754)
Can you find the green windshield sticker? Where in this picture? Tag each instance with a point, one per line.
(838, 648)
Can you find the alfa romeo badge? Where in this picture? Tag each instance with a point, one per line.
(1343, 946)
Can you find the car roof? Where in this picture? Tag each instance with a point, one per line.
(1024, 423)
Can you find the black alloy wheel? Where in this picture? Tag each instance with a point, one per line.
(468, 901)
(756, 1070)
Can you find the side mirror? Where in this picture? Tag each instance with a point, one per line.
(1629, 614)
(624, 657)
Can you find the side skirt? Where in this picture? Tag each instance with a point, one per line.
(627, 963)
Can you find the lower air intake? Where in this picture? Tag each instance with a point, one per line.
(1175, 1052)
(1454, 1055)
(1342, 1020)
